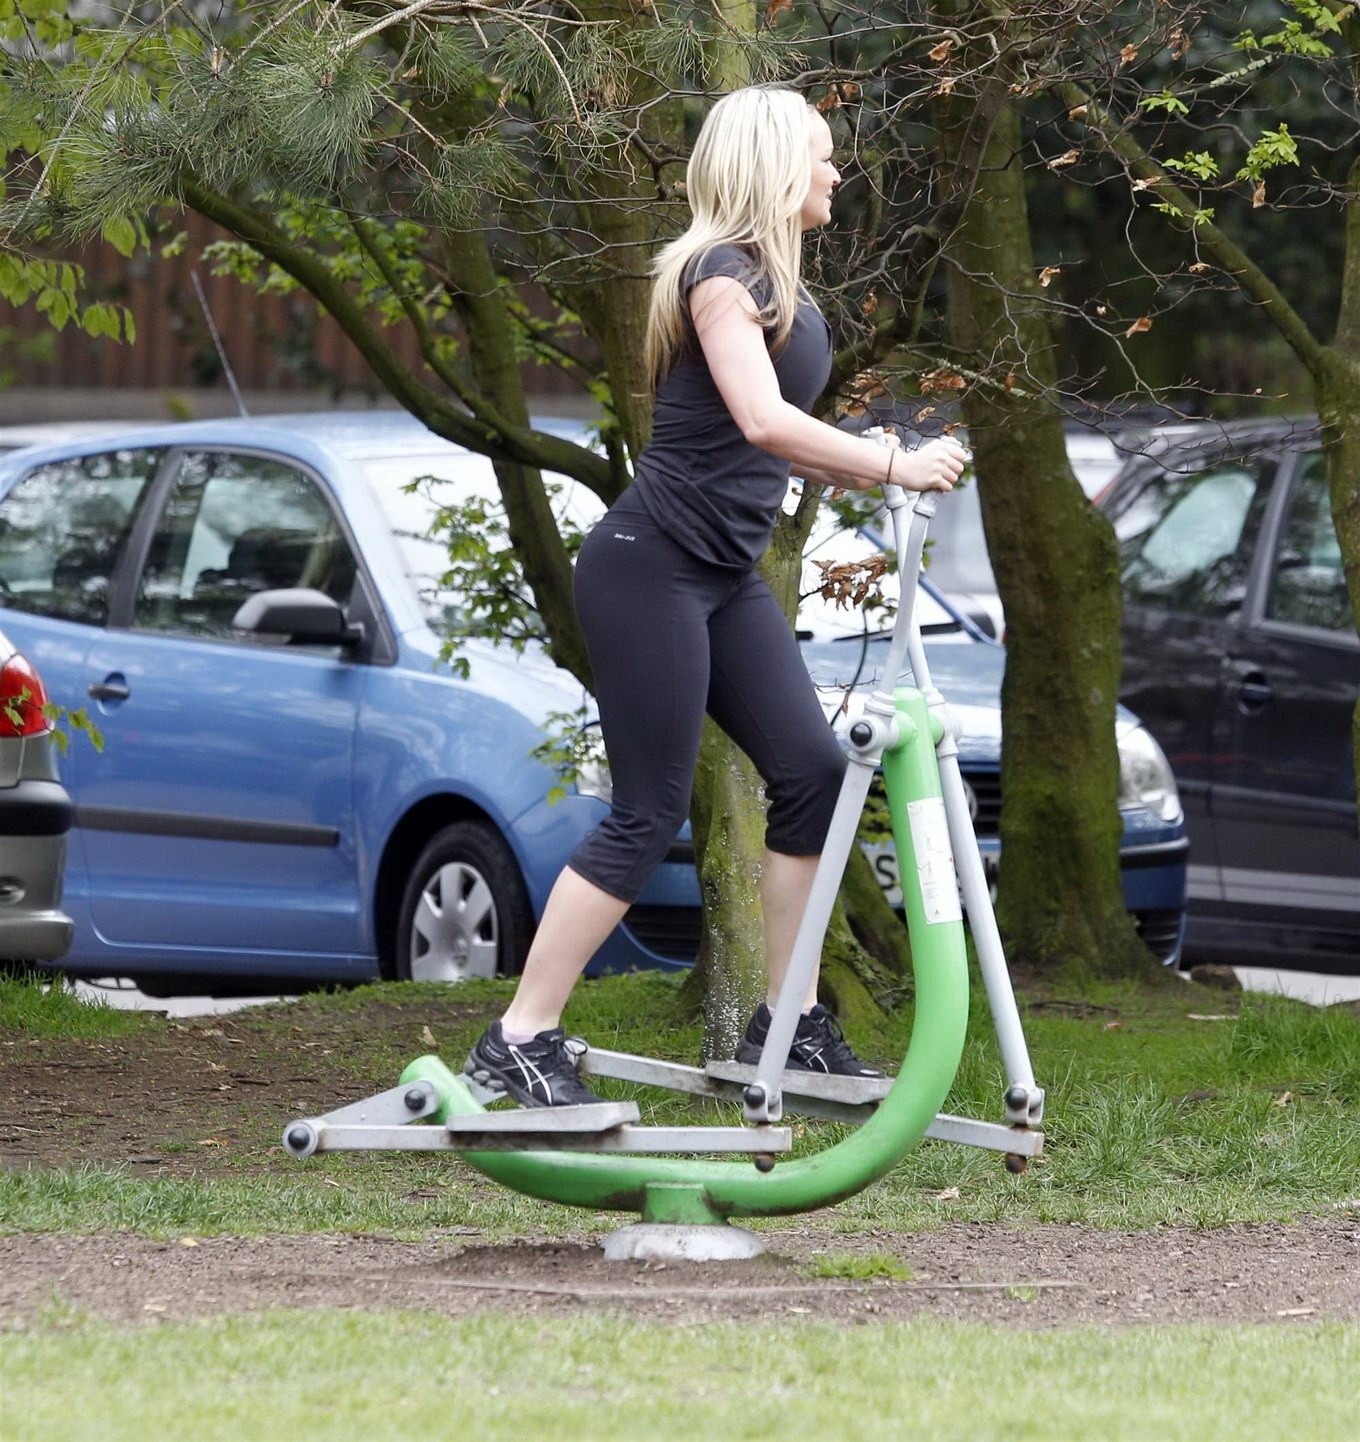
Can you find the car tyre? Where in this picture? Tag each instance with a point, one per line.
(465, 912)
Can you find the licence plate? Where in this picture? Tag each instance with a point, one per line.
(883, 860)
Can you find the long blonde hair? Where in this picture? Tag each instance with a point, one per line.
(747, 179)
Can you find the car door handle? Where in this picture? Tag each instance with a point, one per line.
(1254, 691)
(110, 690)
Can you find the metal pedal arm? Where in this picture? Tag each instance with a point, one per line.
(757, 1141)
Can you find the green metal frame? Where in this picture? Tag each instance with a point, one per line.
(690, 1190)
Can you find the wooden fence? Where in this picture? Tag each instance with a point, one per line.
(274, 343)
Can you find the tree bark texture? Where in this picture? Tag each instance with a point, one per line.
(1061, 901)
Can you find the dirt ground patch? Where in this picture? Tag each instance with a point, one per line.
(1055, 1276)
(159, 1100)
(194, 1099)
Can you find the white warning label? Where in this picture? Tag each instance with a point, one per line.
(934, 859)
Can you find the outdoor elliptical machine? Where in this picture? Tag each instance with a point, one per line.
(599, 1156)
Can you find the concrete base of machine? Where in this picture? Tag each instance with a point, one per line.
(672, 1242)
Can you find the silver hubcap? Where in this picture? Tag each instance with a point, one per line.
(454, 934)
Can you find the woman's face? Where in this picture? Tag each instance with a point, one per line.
(825, 176)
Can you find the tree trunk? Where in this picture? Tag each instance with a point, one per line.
(489, 330)
(1337, 388)
(1061, 902)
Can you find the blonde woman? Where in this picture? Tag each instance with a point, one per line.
(677, 619)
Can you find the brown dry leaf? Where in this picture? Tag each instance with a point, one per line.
(945, 87)
(1128, 55)
(1139, 326)
(1077, 112)
(1258, 195)
(864, 387)
(870, 303)
(1199, 267)
(949, 1194)
(850, 583)
(1010, 380)
(1114, 1026)
(1284, 1099)
(941, 382)
(1142, 185)
(775, 9)
(941, 51)
(950, 427)
(830, 101)
(1046, 275)
(427, 1038)
(215, 1142)
(1180, 44)
(187, 1242)
(1068, 158)
(1102, 310)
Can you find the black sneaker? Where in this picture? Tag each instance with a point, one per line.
(537, 1073)
(818, 1044)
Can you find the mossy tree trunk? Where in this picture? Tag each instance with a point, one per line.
(1061, 903)
(1337, 389)
(1336, 378)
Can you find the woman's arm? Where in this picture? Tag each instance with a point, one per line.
(728, 326)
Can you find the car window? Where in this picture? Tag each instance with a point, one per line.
(62, 529)
(1308, 587)
(234, 525)
(1185, 541)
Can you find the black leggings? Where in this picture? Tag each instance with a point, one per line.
(671, 636)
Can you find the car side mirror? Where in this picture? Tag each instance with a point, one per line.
(306, 617)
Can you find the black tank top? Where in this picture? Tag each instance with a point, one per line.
(701, 480)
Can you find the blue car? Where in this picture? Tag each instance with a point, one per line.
(295, 786)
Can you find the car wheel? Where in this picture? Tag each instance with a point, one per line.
(465, 912)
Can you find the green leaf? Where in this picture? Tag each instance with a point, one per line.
(1274, 147)
(1172, 104)
(56, 306)
(1199, 163)
(121, 234)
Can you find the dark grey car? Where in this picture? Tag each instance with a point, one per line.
(35, 815)
(1241, 657)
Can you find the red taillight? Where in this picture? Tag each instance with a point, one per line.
(21, 699)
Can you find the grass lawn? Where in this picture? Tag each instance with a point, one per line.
(335, 1375)
(1179, 1105)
